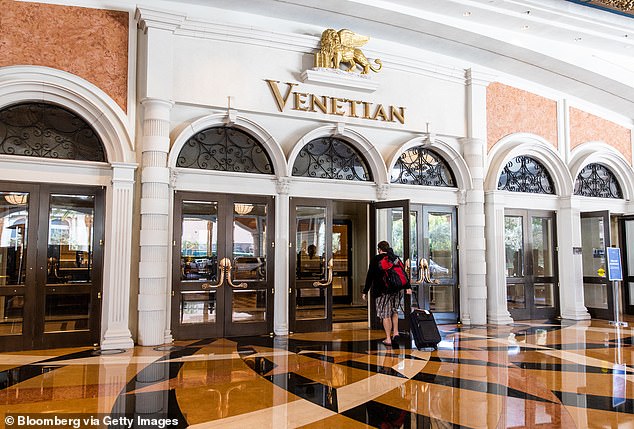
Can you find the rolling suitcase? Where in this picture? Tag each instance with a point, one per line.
(424, 329)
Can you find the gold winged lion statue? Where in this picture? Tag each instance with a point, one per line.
(343, 47)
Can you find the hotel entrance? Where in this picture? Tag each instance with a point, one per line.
(51, 253)
(222, 266)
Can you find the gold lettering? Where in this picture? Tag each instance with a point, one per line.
(300, 100)
(281, 101)
(398, 114)
(336, 106)
(380, 111)
(366, 110)
(314, 101)
(352, 112)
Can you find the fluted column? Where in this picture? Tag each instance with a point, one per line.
(119, 244)
(282, 281)
(155, 201)
(474, 238)
(571, 271)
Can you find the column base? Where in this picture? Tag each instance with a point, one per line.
(281, 329)
(576, 314)
(168, 337)
(121, 339)
(500, 319)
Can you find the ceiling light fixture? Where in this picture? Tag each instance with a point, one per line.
(16, 199)
(526, 27)
(467, 13)
(242, 209)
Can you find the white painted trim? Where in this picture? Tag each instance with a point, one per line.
(354, 138)
(36, 83)
(528, 145)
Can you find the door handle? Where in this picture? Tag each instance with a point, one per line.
(408, 267)
(225, 265)
(220, 281)
(330, 269)
(424, 274)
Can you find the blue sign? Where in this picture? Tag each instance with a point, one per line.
(614, 264)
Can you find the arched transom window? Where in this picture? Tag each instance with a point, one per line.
(48, 131)
(421, 166)
(525, 174)
(331, 158)
(225, 149)
(596, 180)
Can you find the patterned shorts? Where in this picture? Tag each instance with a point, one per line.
(386, 305)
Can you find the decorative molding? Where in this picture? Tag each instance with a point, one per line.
(283, 185)
(340, 79)
(382, 191)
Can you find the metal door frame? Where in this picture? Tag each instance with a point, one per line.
(601, 313)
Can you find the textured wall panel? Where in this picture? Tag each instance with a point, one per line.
(511, 110)
(585, 127)
(89, 43)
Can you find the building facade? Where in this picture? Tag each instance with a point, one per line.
(183, 171)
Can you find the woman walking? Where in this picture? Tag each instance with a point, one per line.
(386, 303)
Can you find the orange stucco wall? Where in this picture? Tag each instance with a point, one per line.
(585, 127)
(90, 43)
(512, 110)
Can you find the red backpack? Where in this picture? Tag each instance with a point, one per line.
(394, 275)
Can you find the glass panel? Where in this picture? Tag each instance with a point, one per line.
(331, 158)
(413, 245)
(14, 215)
(311, 303)
(12, 314)
(389, 227)
(199, 241)
(544, 295)
(595, 295)
(249, 306)
(249, 242)
(514, 246)
(543, 265)
(515, 297)
(422, 166)
(340, 285)
(525, 174)
(629, 242)
(311, 242)
(441, 298)
(198, 307)
(630, 285)
(66, 312)
(70, 238)
(340, 259)
(440, 245)
(593, 244)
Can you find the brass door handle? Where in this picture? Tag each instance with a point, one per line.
(225, 265)
(328, 282)
(210, 286)
(408, 267)
(424, 273)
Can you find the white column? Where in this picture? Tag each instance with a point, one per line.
(282, 262)
(119, 248)
(155, 204)
(496, 261)
(570, 264)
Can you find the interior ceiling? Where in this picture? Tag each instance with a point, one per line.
(561, 44)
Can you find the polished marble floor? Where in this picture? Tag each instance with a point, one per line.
(545, 374)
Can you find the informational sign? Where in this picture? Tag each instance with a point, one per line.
(614, 264)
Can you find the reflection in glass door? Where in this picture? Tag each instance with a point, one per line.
(597, 290)
(388, 222)
(50, 266)
(531, 264)
(437, 228)
(313, 265)
(627, 286)
(222, 278)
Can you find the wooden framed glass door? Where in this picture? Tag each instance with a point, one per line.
(222, 278)
(311, 270)
(390, 221)
(51, 253)
(627, 240)
(531, 264)
(597, 289)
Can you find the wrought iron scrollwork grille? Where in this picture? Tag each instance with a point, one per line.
(525, 174)
(225, 149)
(596, 180)
(48, 131)
(421, 166)
(331, 158)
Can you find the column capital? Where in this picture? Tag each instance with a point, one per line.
(282, 185)
(382, 191)
(123, 172)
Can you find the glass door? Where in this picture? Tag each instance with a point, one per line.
(531, 264)
(597, 290)
(627, 234)
(390, 221)
(312, 266)
(223, 274)
(438, 256)
(51, 241)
